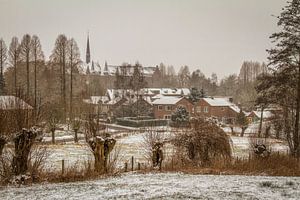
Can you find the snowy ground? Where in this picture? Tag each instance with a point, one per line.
(164, 186)
(134, 145)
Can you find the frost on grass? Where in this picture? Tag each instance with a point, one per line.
(164, 186)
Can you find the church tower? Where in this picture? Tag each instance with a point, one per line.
(88, 53)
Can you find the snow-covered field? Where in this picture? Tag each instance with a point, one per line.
(163, 186)
(134, 145)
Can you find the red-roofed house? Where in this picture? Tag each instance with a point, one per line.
(222, 109)
(165, 106)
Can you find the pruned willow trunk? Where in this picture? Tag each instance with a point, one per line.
(101, 148)
(23, 143)
(2, 144)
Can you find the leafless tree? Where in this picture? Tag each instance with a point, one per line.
(14, 56)
(25, 52)
(38, 56)
(59, 55)
(3, 57)
(74, 60)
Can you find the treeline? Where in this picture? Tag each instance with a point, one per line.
(38, 81)
(57, 79)
(241, 87)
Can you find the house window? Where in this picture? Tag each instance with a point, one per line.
(205, 109)
(182, 106)
(168, 108)
(160, 107)
(167, 116)
(198, 109)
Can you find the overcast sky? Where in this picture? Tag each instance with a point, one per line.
(210, 35)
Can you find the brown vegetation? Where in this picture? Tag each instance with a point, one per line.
(203, 144)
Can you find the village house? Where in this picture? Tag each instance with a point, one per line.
(255, 116)
(165, 106)
(114, 98)
(9, 103)
(222, 109)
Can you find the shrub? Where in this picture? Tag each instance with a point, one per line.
(203, 143)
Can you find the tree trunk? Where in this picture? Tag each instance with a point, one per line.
(27, 77)
(296, 132)
(2, 144)
(101, 149)
(53, 135)
(261, 121)
(71, 92)
(243, 131)
(35, 83)
(23, 143)
(76, 136)
(15, 66)
(64, 84)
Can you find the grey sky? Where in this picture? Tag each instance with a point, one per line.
(212, 35)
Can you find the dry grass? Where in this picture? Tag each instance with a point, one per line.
(274, 165)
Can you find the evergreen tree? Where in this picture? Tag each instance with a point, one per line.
(285, 58)
(195, 95)
(180, 117)
(242, 121)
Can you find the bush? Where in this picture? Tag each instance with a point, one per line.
(202, 144)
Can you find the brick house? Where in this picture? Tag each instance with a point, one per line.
(165, 106)
(222, 109)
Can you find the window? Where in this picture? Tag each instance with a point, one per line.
(168, 108)
(180, 105)
(198, 109)
(160, 107)
(167, 116)
(205, 109)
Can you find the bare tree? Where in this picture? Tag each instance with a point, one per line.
(74, 60)
(14, 56)
(38, 56)
(59, 55)
(25, 52)
(3, 57)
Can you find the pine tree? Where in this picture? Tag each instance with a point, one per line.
(285, 58)
(3, 57)
(180, 117)
(242, 121)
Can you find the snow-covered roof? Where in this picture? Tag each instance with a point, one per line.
(218, 101)
(266, 114)
(169, 91)
(167, 100)
(12, 102)
(222, 101)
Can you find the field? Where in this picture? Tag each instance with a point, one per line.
(134, 145)
(164, 186)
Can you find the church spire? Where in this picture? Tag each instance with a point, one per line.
(88, 53)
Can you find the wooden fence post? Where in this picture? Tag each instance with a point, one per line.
(62, 167)
(126, 165)
(132, 159)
